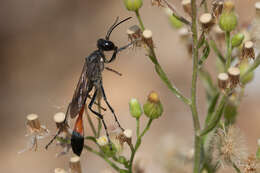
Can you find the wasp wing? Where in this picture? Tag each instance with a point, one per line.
(81, 93)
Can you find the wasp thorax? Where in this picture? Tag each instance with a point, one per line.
(206, 21)
(186, 4)
(147, 38)
(223, 81)
(234, 76)
(248, 50)
(33, 122)
(75, 166)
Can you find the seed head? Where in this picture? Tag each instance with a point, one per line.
(157, 3)
(228, 146)
(251, 165)
(248, 50)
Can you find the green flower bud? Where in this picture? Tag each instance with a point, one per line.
(237, 39)
(133, 5)
(230, 113)
(135, 108)
(153, 108)
(228, 19)
(243, 68)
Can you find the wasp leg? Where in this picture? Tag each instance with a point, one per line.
(99, 116)
(60, 129)
(111, 109)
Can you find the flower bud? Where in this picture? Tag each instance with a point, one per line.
(243, 68)
(248, 50)
(153, 108)
(223, 81)
(228, 18)
(237, 39)
(234, 75)
(133, 5)
(230, 113)
(135, 108)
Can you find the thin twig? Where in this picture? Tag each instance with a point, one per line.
(175, 14)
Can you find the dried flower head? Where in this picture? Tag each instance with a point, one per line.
(228, 146)
(251, 165)
(217, 7)
(248, 50)
(157, 3)
(36, 131)
(135, 35)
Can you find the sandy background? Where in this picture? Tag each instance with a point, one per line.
(43, 45)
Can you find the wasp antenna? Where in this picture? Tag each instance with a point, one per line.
(114, 26)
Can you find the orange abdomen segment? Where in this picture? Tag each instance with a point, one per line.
(79, 123)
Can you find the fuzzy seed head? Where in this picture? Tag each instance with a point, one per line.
(228, 146)
(251, 165)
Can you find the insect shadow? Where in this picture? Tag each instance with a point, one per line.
(91, 79)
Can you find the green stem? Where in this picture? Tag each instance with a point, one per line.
(252, 67)
(139, 20)
(216, 117)
(137, 127)
(99, 120)
(91, 123)
(159, 70)
(229, 51)
(236, 168)
(196, 123)
(137, 145)
(213, 45)
(112, 164)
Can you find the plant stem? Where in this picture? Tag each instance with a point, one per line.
(252, 67)
(213, 45)
(91, 123)
(175, 14)
(196, 123)
(216, 117)
(137, 145)
(159, 70)
(137, 127)
(112, 164)
(229, 51)
(99, 120)
(139, 20)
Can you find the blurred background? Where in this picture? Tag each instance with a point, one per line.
(43, 46)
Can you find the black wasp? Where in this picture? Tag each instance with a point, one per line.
(91, 79)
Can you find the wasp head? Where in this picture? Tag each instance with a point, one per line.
(105, 45)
